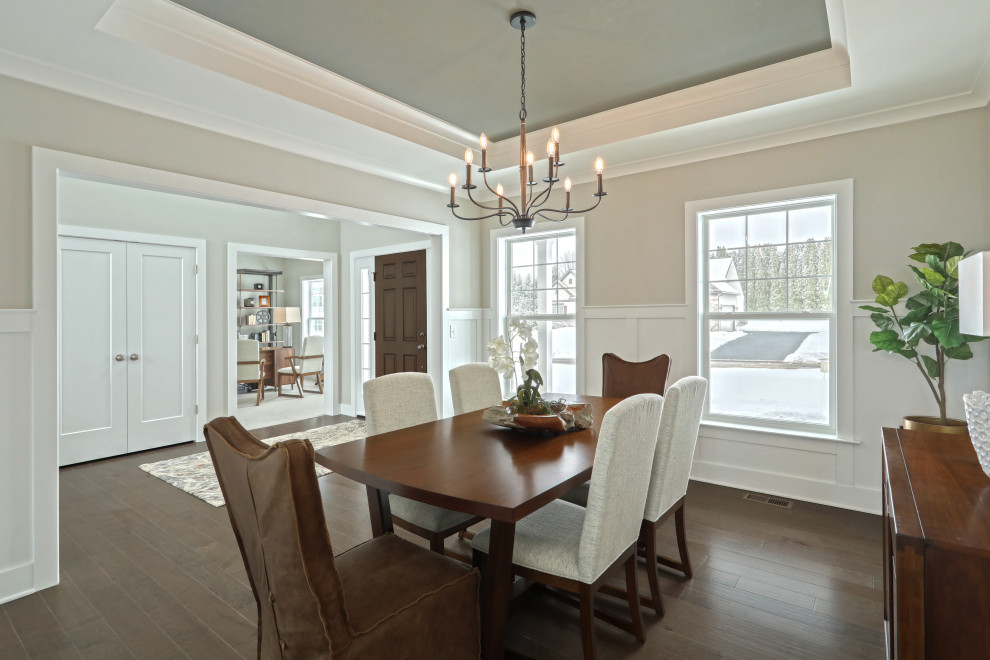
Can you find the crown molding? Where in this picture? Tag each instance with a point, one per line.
(65, 80)
(812, 74)
(182, 33)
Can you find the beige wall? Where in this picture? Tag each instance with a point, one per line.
(923, 181)
(31, 115)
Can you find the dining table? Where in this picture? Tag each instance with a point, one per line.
(467, 464)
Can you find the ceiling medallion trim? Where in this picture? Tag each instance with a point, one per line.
(531, 202)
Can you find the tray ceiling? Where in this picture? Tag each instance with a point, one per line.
(461, 64)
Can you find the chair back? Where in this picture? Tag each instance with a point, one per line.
(619, 481)
(623, 379)
(678, 435)
(473, 387)
(312, 346)
(398, 401)
(248, 350)
(276, 511)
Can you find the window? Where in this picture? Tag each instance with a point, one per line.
(312, 295)
(540, 285)
(768, 313)
(365, 313)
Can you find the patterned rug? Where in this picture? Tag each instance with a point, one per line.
(194, 473)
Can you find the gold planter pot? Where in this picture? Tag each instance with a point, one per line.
(934, 424)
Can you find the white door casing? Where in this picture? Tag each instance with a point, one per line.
(93, 320)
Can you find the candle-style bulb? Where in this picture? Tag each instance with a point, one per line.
(555, 134)
(468, 156)
(550, 147)
(484, 141)
(499, 190)
(452, 179)
(529, 157)
(599, 165)
(567, 184)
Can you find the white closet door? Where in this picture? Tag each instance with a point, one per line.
(161, 345)
(93, 331)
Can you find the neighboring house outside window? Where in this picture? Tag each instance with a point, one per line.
(312, 308)
(768, 313)
(540, 284)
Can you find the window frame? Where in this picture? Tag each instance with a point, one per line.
(306, 297)
(841, 400)
(501, 289)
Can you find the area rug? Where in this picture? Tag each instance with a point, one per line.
(195, 475)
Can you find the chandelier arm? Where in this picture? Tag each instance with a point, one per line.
(479, 204)
(542, 214)
(484, 176)
(482, 217)
(545, 194)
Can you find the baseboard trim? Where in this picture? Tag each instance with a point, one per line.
(17, 582)
(828, 493)
(347, 409)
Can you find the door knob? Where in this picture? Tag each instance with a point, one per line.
(422, 334)
(134, 357)
(119, 357)
(421, 346)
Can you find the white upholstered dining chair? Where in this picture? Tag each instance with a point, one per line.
(578, 549)
(307, 363)
(398, 401)
(251, 366)
(474, 386)
(677, 438)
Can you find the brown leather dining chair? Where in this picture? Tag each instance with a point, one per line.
(622, 379)
(386, 598)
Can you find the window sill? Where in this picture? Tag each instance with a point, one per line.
(789, 438)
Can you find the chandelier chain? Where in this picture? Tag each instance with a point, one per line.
(522, 61)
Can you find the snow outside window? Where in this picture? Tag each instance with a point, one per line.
(768, 313)
(312, 306)
(541, 286)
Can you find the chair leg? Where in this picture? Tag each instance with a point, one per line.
(649, 537)
(436, 543)
(278, 378)
(260, 392)
(632, 592)
(587, 598)
(299, 385)
(682, 548)
(319, 382)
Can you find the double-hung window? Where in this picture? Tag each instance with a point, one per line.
(540, 285)
(312, 295)
(767, 303)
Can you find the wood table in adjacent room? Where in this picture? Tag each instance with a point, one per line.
(466, 464)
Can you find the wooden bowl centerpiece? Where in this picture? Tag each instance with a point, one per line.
(529, 411)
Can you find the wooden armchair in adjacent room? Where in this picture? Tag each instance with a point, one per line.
(251, 366)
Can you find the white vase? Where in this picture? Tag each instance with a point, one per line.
(978, 415)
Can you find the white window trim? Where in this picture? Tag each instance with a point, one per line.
(841, 361)
(499, 300)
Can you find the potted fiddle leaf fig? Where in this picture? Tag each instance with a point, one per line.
(927, 334)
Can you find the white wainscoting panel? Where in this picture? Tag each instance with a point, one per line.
(16, 467)
(470, 329)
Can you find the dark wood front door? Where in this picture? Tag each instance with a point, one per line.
(400, 313)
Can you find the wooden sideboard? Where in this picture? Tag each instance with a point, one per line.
(936, 544)
(276, 357)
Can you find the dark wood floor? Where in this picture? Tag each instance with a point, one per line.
(151, 572)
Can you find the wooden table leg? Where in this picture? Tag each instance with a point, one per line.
(497, 590)
(381, 513)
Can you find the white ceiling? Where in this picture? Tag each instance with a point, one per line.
(890, 61)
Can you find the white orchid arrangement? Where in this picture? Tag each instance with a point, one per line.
(503, 359)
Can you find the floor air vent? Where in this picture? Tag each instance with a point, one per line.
(769, 499)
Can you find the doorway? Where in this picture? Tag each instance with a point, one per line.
(281, 338)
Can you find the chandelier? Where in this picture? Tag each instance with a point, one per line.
(522, 212)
